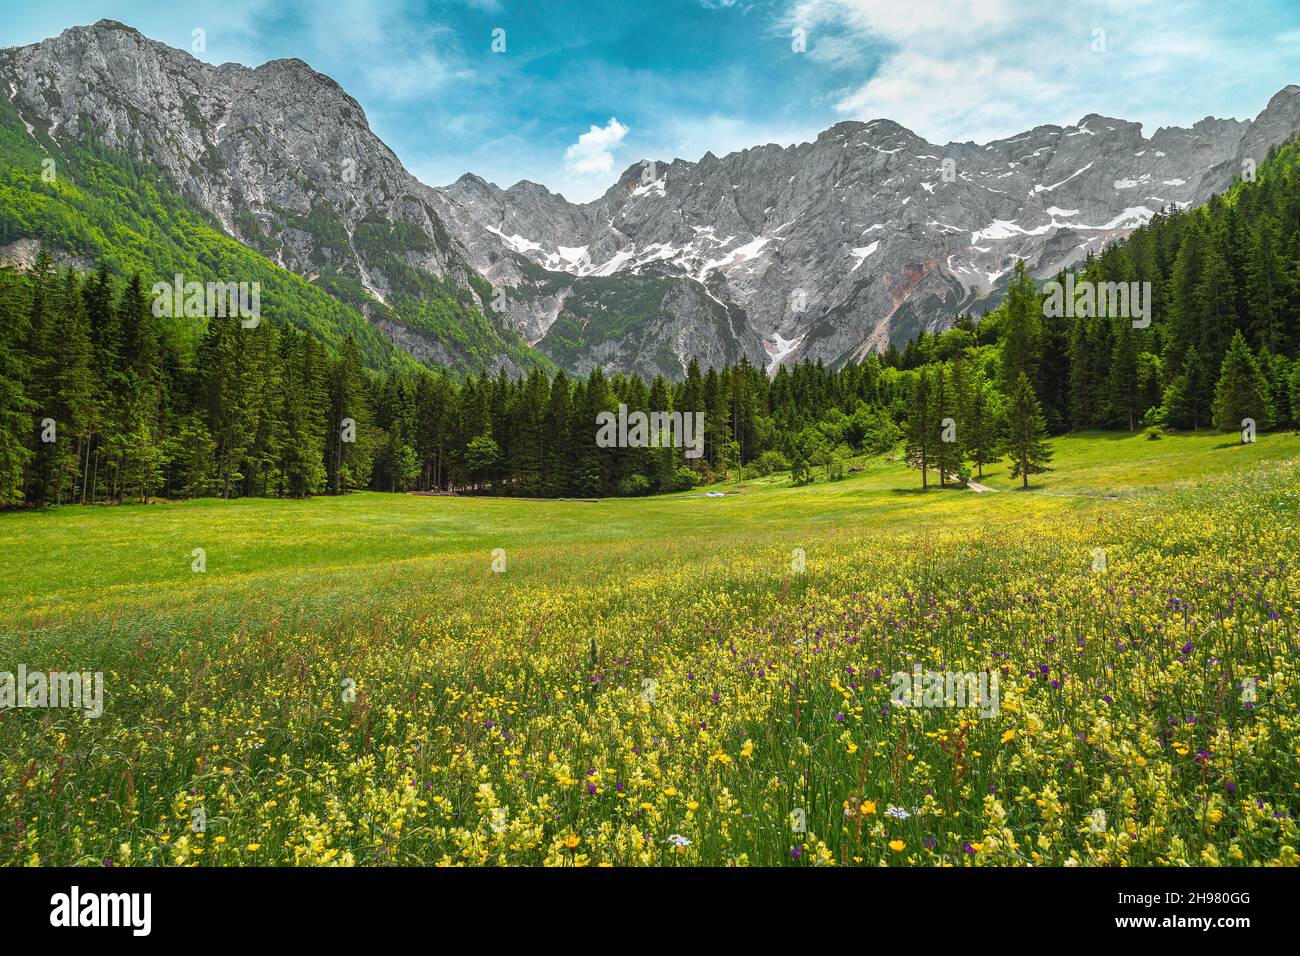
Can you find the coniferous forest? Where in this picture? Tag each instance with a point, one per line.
(102, 401)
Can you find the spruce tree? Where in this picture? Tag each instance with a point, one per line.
(15, 407)
(1027, 445)
(1242, 390)
(922, 424)
(1022, 329)
(981, 429)
(1122, 392)
(1265, 285)
(948, 453)
(350, 448)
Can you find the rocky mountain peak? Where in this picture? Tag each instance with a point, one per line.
(870, 233)
(819, 250)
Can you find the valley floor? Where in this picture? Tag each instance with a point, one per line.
(674, 680)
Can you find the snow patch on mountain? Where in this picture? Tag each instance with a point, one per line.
(861, 253)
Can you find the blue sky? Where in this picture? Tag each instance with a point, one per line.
(584, 89)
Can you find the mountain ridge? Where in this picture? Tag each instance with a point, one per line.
(821, 250)
(929, 273)
(284, 160)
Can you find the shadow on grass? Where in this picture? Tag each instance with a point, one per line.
(933, 489)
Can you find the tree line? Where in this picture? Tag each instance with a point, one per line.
(102, 401)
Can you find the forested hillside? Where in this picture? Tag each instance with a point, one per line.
(100, 400)
(90, 205)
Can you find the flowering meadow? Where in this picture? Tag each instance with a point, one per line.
(674, 681)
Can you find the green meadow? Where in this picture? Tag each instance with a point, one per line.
(674, 680)
(70, 566)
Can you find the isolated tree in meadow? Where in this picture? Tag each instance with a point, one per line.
(922, 424)
(1242, 390)
(1026, 433)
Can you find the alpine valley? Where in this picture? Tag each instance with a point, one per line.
(817, 251)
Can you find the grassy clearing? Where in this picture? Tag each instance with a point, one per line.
(486, 727)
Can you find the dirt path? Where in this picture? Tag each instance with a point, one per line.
(976, 487)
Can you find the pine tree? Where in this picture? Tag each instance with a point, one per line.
(922, 424)
(981, 429)
(65, 370)
(138, 441)
(1242, 390)
(559, 478)
(1184, 312)
(1122, 384)
(948, 450)
(1185, 398)
(1295, 395)
(592, 461)
(1027, 445)
(1265, 285)
(350, 454)
(15, 407)
(1276, 369)
(1022, 331)
(1216, 313)
(302, 427)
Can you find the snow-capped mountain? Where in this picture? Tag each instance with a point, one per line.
(836, 247)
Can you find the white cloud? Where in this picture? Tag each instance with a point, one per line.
(949, 69)
(984, 69)
(593, 153)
